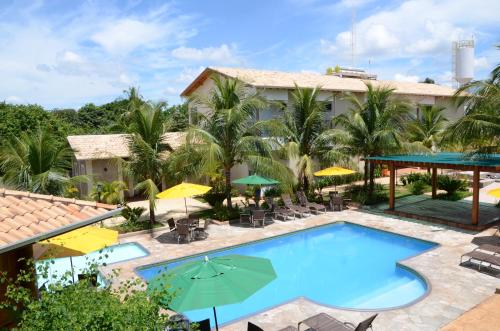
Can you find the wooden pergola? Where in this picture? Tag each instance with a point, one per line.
(456, 161)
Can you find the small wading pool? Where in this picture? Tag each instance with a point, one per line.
(108, 255)
(342, 265)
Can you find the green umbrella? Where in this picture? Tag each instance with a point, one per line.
(258, 181)
(215, 282)
(255, 180)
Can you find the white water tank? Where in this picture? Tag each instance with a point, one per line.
(464, 65)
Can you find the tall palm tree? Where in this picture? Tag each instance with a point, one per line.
(306, 135)
(148, 150)
(479, 129)
(428, 129)
(110, 192)
(228, 135)
(36, 162)
(373, 127)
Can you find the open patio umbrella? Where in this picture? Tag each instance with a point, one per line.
(215, 282)
(77, 242)
(495, 192)
(333, 171)
(183, 190)
(255, 180)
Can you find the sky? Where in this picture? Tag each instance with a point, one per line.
(64, 54)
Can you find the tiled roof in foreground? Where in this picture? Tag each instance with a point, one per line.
(28, 217)
(287, 80)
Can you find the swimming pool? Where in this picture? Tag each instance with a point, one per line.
(108, 255)
(342, 265)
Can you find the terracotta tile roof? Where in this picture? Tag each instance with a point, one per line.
(108, 146)
(287, 80)
(25, 216)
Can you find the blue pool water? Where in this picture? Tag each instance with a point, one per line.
(342, 264)
(108, 255)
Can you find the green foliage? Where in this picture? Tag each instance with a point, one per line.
(417, 187)
(132, 214)
(216, 196)
(36, 162)
(322, 182)
(450, 184)
(428, 129)
(479, 130)
(455, 196)
(274, 191)
(416, 176)
(223, 213)
(81, 306)
(178, 116)
(227, 136)
(108, 192)
(360, 194)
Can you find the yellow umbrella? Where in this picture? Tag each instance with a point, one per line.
(78, 242)
(495, 192)
(183, 190)
(333, 171)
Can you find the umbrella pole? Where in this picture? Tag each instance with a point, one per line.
(72, 270)
(216, 324)
(186, 206)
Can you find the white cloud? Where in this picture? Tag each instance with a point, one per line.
(415, 27)
(13, 99)
(481, 63)
(187, 75)
(125, 35)
(222, 54)
(406, 78)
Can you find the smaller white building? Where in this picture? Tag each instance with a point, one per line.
(101, 157)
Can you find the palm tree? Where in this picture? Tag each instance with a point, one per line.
(479, 129)
(148, 150)
(228, 135)
(429, 127)
(306, 135)
(373, 127)
(109, 192)
(36, 162)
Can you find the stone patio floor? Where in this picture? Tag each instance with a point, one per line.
(454, 289)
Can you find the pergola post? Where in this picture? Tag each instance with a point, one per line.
(475, 197)
(392, 185)
(434, 182)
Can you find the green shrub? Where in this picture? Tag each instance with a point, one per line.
(273, 192)
(216, 196)
(132, 214)
(414, 177)
(451, 185)
(417, 187)
(359, 194)
(222, 213)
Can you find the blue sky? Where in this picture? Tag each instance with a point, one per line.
(67, 53)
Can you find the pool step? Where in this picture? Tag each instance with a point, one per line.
(390, 295)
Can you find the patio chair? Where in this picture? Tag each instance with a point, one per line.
(253, 327)
(489, 248)
(325, 322)
(204, 325)
(245, 217)
(201, 232)
(171, 224)
(183, 231)
(481, 257)
(299, 210)
(336, 202)
(194, 220)
(258, 217)
(315, 207)
(278, 211)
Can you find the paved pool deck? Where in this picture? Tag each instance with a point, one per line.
(454, 289)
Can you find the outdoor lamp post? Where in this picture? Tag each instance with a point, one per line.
(98, 188)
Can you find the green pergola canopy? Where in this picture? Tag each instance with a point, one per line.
(456, 159)
(255, 180)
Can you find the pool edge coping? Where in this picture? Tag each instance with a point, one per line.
(399, 263)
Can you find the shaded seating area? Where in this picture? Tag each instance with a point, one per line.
(188, 229)
(298, 210)
(453, 215)
(315, 207)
